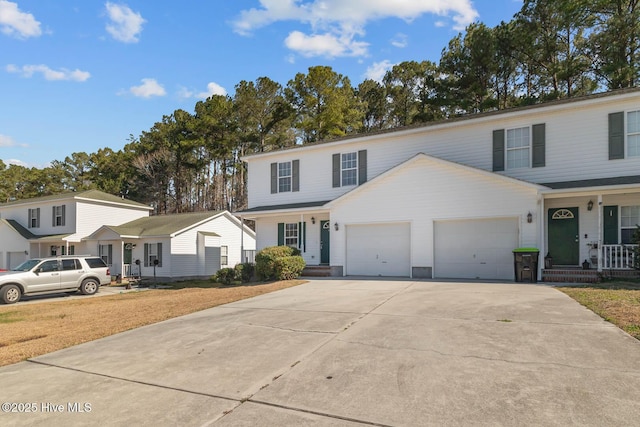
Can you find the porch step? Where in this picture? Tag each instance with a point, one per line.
(317, 271)
(570, 275)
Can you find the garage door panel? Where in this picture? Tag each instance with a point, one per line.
(378, 249)
(475, 249)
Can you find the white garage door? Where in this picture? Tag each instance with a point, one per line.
(475, 249)
(379, 250)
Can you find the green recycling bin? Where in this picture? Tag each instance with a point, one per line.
(525, 264)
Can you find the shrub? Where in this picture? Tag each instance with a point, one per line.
(245, 272)
(265, 260)
(289, 267)
(226, 276)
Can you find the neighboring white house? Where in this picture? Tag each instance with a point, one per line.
(452, 199)
(174, 246)
(56, 225)
(121, 232)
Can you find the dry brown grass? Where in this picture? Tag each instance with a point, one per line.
(35, 329)
(617, 302)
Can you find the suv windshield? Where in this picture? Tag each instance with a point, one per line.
(27, 265)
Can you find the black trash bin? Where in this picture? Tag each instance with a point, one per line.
(525, 264)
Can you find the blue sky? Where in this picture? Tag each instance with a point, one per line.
(79, 75)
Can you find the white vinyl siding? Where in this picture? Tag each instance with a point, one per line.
(518, 148)
(633, 133)
(349, 168)
(284, 177)
(569, 126)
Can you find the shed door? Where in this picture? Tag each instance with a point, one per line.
(379, 250)
(475, 249)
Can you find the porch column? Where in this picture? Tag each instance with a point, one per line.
(541, 234)
(242, 260)
(600, 222)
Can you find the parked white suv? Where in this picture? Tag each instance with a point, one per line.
(41, 276)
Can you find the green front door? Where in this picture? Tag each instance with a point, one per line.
(324, 242)
(564, 238)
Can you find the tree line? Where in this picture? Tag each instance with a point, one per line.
(191, 161)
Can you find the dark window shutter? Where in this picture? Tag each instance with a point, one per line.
(63, 214)
(110, 253)
(304, 237)
(336, 170)
(538, 157)
(498, 150)
(159, 254)
(274, 178)
(610, 225)
(362, 167)
(146, 255)
(29, 218)
(38, 217)
(300, 236)
(53, 216)
(616, 136)
(295, 175)
(280, 233)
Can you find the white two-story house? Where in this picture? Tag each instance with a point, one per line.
(453, 199)
(122, 233)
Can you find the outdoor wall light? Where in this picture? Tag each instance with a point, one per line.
(529, 217)
(313, 220)
(336, 226)
(590, 205)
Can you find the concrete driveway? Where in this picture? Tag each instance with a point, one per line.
(347, 353)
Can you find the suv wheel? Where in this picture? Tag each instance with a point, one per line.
(89, 286)
(10, 294)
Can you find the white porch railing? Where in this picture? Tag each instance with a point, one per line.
(617, 257)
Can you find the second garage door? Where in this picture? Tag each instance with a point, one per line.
(475, 249)
(379, 250)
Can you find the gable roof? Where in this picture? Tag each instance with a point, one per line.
(95, 195)
(162, 225)
(422, 156)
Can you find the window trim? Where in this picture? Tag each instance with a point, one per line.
(627, 227)
(354, 168)
(58, 214)
(224, 255)
(528, 147)
(285, 177)
(627, 134)
(290, 237)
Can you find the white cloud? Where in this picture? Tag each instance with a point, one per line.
(377, 70)
(212, 89)
(125, 25)
(14, 22)
(400, 41)
(441, 24)
(48, 73)
(335, 24)
(329, 45)
(148, 88)
(16, 162)
(7, 141)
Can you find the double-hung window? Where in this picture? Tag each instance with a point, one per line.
(153, 254)
(518, 148)
(224, 255)
(349, 169)
(284, 177)
(106, 253)
(58, 216)
(629, 219)
(633, 133)
(34, 218)
(291, 234)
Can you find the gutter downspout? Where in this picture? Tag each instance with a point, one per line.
(242, 260)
